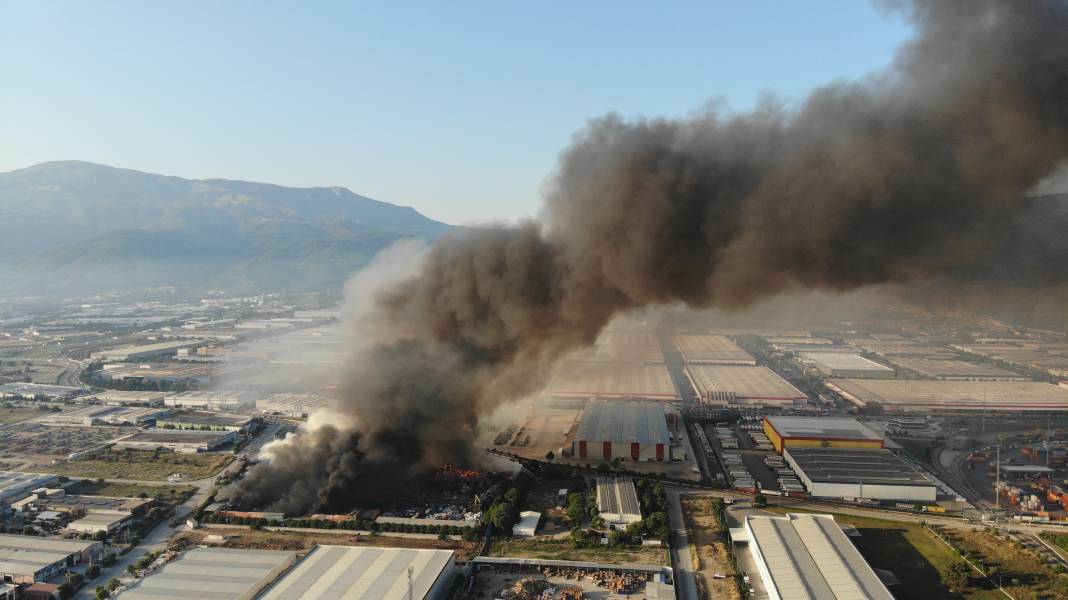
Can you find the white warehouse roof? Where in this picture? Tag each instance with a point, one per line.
(366, 573)
(807, 556)
(213, 573)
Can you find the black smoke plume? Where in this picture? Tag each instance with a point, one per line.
(917, 173)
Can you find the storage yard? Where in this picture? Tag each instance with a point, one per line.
(30, 443)
(711, 350)
(602, 379)
(924, 395)
(728, 385)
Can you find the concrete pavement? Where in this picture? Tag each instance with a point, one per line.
(685, 583)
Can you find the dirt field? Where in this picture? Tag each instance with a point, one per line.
(130, 490)
(562, 550)
(16, 414)
(545, 498)
(297, 540)
(144, 465)
(27, 444)
(1023, 574)
(712, 549)
(488, 586)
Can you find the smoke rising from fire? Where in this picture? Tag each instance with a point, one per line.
(917, 173)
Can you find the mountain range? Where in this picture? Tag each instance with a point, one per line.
(74, 226)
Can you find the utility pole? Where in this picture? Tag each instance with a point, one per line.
(997, 479)
(411, 592)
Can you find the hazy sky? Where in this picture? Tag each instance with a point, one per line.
(456, 108)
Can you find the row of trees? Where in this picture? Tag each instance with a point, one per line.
(356, 524)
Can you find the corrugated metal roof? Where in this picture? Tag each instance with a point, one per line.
(212, 573)
(829, 427)
(809, 557)
(624, 423)
(343, 573)
(870, 467)
(617, 496)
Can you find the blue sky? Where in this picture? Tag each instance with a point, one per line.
(457, 108)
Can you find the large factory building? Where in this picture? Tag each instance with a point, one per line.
(847, 365)
(754, 386)
(872, 474)
(820, 432)
(624, 430)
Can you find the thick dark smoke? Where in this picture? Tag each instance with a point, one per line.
(918, 173)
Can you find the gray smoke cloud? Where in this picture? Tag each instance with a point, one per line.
(918, 173)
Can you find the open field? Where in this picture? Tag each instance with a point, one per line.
(299, 540)
(710, 542)
(27, 443)
(144, 465)
(562, 550)
(19, 413)
(918, 558)
(129, 490)
(1023, 574)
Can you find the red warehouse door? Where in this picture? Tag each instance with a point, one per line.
(659, 452)
(606, 449)
(635, 451)
(582, 449)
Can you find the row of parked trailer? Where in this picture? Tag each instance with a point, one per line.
(761, 441)
(785, 476)
(726, 438)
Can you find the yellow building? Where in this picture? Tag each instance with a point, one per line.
(820, 432)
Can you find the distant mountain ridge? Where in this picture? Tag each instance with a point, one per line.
(72, 225)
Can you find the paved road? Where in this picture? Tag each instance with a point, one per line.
(685, 584)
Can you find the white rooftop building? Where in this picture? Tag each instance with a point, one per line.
(224, 573)
(808, 557)
(367, 573)
(527, 525)
(617, 501)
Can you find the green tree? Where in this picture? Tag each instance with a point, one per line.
(958, 575)
(66, 590)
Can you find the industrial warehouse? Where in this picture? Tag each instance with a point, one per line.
(26, 559)
(819, 432)
(870, 474)
(367, 573)
(16, 486)
(625, 430)
(129, 398)
(177, 440)
(958, 370)
(727, 385)
(627, 346)
(617, 501)
(808, 556)
(127, 353)
(927, 395)
(213, 573)
(711, 350)
(605, 379)
(847, 365)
